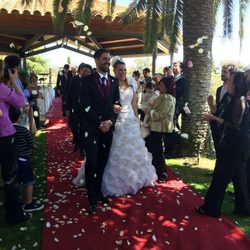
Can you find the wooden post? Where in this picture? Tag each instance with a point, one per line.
(24, 62)
(154, 56)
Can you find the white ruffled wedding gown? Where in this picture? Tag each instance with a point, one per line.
(129, 166)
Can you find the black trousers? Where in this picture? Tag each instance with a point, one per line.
(248, 176)
(76, 126)
(154, 144)
(64, 106)
(228, 168)
(97, 152)
(8, 162)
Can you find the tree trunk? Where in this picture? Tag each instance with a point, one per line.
(197, 23)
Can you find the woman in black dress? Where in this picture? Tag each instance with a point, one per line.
(232, 152)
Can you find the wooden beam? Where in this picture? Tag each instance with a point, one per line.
(9, 51)
(126, 47)
(97, 44)
(77, 51)
(112, 34)
(40, 51)
(46, 42)
(26, 46)
(81, 42)
(119, 41)
(162, 46)
(18, 37)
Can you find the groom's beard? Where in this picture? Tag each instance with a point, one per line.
(104, 68)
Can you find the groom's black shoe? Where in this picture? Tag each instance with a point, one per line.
(103, 199)
(92, 209)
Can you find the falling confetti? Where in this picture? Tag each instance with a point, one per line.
(12, 45)
(56, 240)
(200, 50)
(154, 237)
(118, 242)
(85, 28)
(89, 33)
(190, 64)
(48, 225)
(87, 109)
(77, 23)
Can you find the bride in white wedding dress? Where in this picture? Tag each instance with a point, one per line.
(129, 166)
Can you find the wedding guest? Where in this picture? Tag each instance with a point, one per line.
(14, 62)
(147, 102)
(232, 151)
(73, 109)
(160, 122)
(147, 78)
(181, 88)
(10, 94)
(167, 71)
(220, 101)
(34, 95)
(247, 75)
(62, 84)
(24, 142)
(136, 76)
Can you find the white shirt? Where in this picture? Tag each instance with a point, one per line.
(103, 75)
(223, 91)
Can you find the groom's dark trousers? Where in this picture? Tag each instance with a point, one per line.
(97, 151)
(97, 104)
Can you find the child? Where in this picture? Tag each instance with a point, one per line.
(148, 101)
(25, 145)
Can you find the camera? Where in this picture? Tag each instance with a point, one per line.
(6, 72)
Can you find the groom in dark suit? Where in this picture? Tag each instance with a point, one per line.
(99, 96)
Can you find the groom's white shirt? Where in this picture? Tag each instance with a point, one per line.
(103, 75)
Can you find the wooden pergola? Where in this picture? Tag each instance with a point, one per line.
(27, 30)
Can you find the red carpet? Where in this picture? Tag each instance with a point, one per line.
(156, 218)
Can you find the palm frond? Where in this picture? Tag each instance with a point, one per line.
(228, 6)
(176, 24)
(131, 13)
(113, 3)
(28, 2)
(216, 6)
(151, 25)
(163, 17)
(82, 13)
(242, 13)
(60, 9)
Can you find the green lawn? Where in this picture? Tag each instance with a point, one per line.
(196, 176)
(27, 235)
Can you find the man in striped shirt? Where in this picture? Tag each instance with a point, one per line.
(24, 142)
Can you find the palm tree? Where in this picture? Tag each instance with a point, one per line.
(162, 21)
(197, 42)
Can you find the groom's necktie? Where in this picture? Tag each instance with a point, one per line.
(103, 81)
